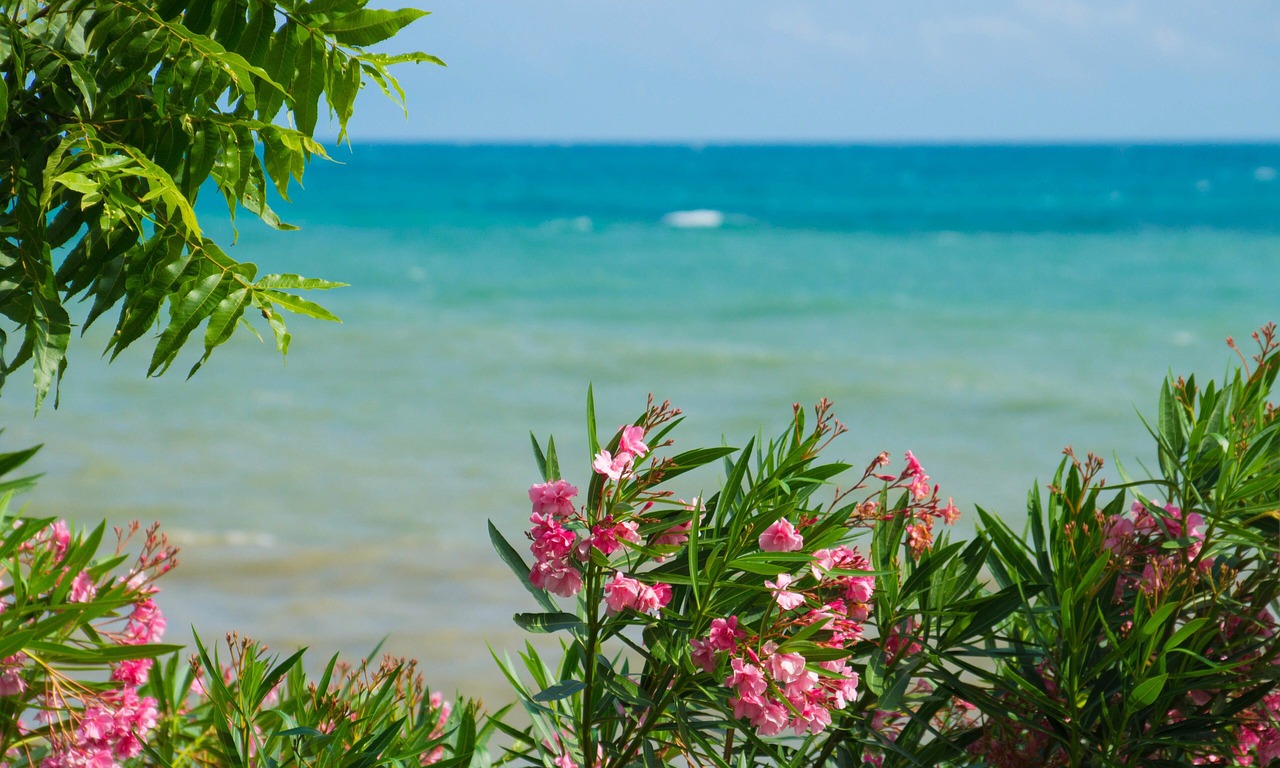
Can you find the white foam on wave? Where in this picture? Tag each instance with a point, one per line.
(1264, 173)
(701, 218)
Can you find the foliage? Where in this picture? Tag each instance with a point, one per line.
(1152, 639)
(84, 680)
(701, 632)
(114, 114)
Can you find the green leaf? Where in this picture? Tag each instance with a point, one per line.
(518, 567)
(290, 282)
(1148, 690)
(369, 26)
(301, 306)
(548, 622)
(561, 690)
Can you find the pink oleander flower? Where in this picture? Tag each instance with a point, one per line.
(59, 539)
(146, 623)
(771, 719)
(746, 679)
(703, 654)
(920, 487)
(608, 537)
(950, 513)
(781, 537)
(674, 536)
(11, 681)
(843, 690)
(625, 592)
(612, 467)
(786, 599)
(919, 538)
(632, 441)
(554, 498)
(556, 576)
(725, 634)
(551, 541)
(132, 672)
(783, 667)
(83, 588)
(621, 593)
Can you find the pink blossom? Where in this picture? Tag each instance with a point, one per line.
(919, 538)
(146, 623)
(747, 679)
(1120, 533)
(901, 639)
(132, 672)
(771, 720)
(553, 498)
(607, 537)
(786, 599)
(781, 537)
(844, 690)
(785, 667)
(557, 577)
(811, 718)
(60, 538)
(621, 593)
(625, 592)
(550, 539)
(83, 588)
(612, 467)
(919, 480)
(12, 682)
(724, 634)
(632, 441)
(950, 513)
(703, 654)
(674, 536)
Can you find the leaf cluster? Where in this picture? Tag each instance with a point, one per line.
(115, 114)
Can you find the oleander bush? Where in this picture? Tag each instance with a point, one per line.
(801, 612)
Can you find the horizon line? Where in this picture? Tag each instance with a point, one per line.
(814, 143)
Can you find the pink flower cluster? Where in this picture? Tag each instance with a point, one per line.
(630, 447)
(442, 709)
(923, 507)
(624, 592)
(559, 552)
(12, 683)
(775, 690)
(1140, 540)
(553, 544)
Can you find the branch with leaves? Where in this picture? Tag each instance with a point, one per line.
(114, 114)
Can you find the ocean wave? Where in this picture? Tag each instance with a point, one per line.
(701, 218)
(1264, 173)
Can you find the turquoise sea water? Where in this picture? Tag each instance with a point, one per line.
(981, 306)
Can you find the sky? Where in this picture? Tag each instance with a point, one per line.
(836, 71)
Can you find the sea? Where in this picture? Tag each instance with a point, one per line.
(982, 306)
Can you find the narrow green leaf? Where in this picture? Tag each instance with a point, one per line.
(1148, 690)
(290, 282)
(518, 567)
(548, 622)
(369, 26)
(561, 690)
(301, 306)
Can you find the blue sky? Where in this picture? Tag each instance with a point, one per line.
(836, 70)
